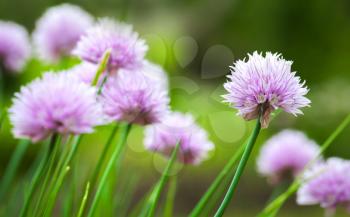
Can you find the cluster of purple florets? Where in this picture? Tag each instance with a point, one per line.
(132, 89)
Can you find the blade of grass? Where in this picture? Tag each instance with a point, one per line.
(101, 67)
(154, 197)
(114, 157)
(83, 201)
(12, 167)
(169, 203)
(272, 209)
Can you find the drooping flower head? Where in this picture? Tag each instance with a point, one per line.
(127, 49)
(177, 127)
(285, 155)
(14, 46)
(59, 29)
(134, 98)
(327, 184)
(55, 103)
(263, 84)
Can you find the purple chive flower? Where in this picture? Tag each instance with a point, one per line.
(263, 84)
(156, 73)
(285, 155)
(134, 98)
(14, 46)
(127, 49)
(84, 71)
(59, 29)
(177, 127)
(55, 103)
(327, 184)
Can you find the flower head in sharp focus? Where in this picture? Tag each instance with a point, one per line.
(55, 103)
(285, 155)
(263, 84)
(177, 127)
(59, 29)
(127, 49)
(14, 46)
(327, 184)
(134, 98)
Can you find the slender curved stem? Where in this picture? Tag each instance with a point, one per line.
(240, 169)
(115, 155)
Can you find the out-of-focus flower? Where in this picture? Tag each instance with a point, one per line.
(127, 49)
(59, 29)
(177, 127)
(14, 46)
(55, 103)
(263, 84)
(285, 155)
(327, 184)
(156, 73)
(134, 98)
(84, 71)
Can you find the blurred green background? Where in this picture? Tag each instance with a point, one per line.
(196, 41)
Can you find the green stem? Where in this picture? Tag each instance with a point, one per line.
(153, 200)
(83, 201)
(240, 169)
(272, 209)
(217, 183)
(12, 167)
(114, 157)
(35, 181)
(169, 203)
(103, 155)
